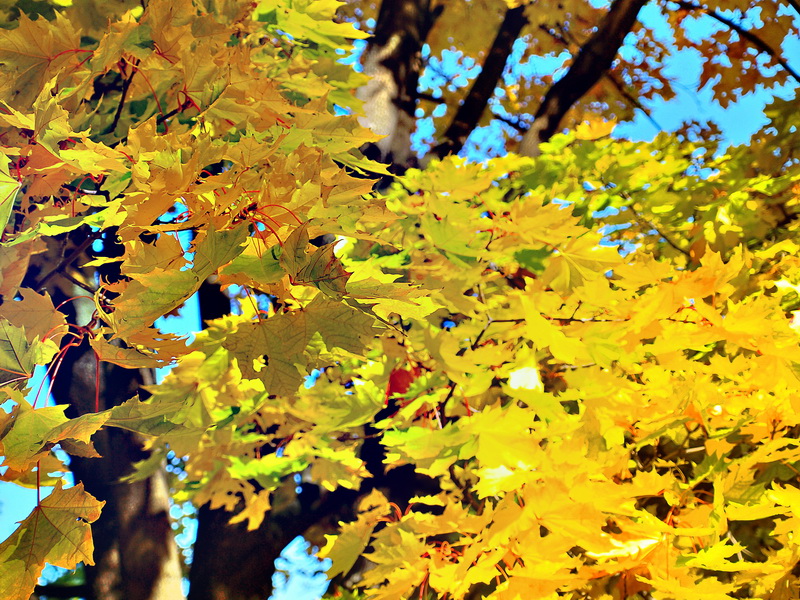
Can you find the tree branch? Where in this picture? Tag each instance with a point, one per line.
(744, 34)
(471, 110)
(610, 76)
(591, 63)
(655, 228)
(65, 262)
(126, 84)
(633, 101)
(52, 590)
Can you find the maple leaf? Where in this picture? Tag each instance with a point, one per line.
(320, 268)
(9, 187)
(36, 314)
(272, 349)
(34, 431)
(32, 53)
(158, 292)
(18, 356)
(344, 549)
(56, 532)
(580, 260)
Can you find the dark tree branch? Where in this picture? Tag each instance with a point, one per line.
(795, 5)
(125, 86)
(592, 62)
(65, 262)
(631, 99)
(469, 113)
(744, 34)
(518, 125)
(618, 85)
(62, 591)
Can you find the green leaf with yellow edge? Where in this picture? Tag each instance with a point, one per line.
(309, 20)
(328, 409)
(344, 549)
(320, 268)
(268, 470)
(152, 295)
(255, 266)
(34, 431)
(577, 261)
(56, 532)
(324, 270)
(18, 356)
(50, 121)
(15, 354)
(431, 451)
(9, 187)
(149, 418)
(130, 358)
(272, 349)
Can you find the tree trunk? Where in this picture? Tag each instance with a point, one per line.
(594, 59)
(135, 553)
(393, 61)
(136, 557)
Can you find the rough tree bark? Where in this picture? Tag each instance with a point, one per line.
(393, 62)
(594, 59)
(469, 113)
(135, 552)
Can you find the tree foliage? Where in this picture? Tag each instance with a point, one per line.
(587, 358)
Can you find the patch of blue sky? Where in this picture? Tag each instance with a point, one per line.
(187, 321)
(311, 378)
(300, 574)
(739, 120)
(17, 502)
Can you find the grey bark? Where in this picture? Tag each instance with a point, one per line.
(393, 61)
(594, 59)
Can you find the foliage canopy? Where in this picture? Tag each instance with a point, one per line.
(591, 354)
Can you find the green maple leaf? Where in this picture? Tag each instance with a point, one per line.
(154, 294)
(149, 418)
(18, 356)
(9, 187)
(56, 532)
(34, 431)
(273, 349)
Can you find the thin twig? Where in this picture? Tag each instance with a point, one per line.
(77, 282)
(744, 33)
(634, 101)
(466, 491)
(653, 226)
(72, 257)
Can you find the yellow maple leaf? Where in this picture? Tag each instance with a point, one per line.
(56, 532)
